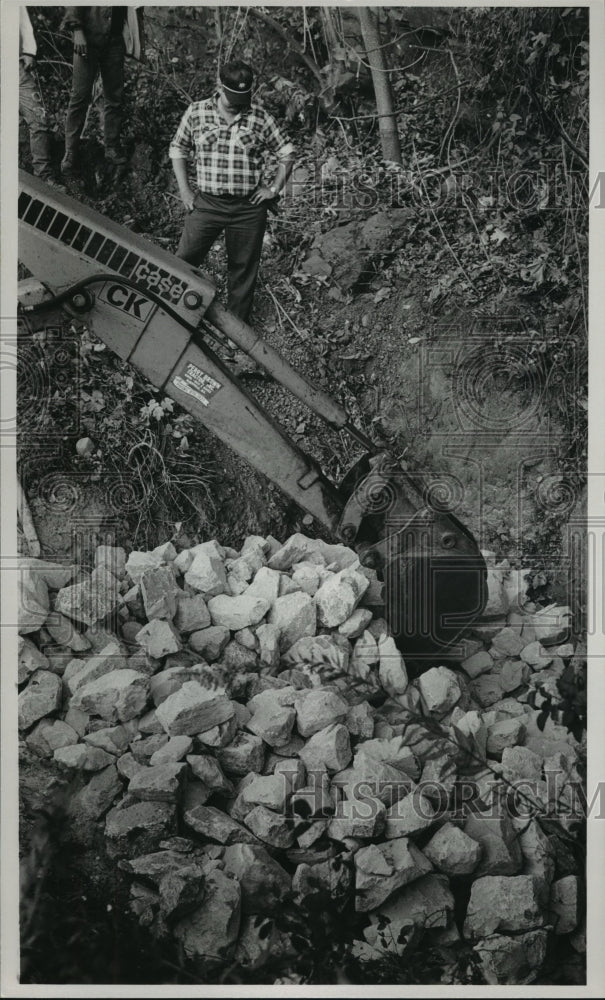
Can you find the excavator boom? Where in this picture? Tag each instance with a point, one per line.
(148, 307)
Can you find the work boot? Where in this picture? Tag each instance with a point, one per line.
(52, 182)
(115, 156)
(68, 164)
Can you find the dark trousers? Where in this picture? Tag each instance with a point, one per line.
(34, 114)
(109, 59)
(244, 226)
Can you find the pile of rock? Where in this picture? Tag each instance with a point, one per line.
(247, 737)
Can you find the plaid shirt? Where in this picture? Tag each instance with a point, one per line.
(228, 157)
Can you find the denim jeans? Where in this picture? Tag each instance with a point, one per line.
(33, 112)
(109, 59)
(244, 226)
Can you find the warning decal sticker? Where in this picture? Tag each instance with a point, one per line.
(197, 383)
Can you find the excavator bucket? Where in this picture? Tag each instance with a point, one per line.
(434, 576)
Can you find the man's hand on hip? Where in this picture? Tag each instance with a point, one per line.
(80, 46)
(188, 199)
(262, 193)
(29, 62)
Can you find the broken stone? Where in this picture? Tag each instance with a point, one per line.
(213, 824)
(194, 709)
(535, 655)
(111, 557)
(237, 658)
(504, 903)
(270, 790)
(391, 671)
(373, 777)
(81, 757)
(338, 597)
(207, 770)
(113, 740)
(508, 642)
(172, 752)
(268, 641)
(270, 827)
(297, 549)
(221, 735)
(63, 632)
(191, 613)
(170, 680)
(295, 616)
(381, 869)
(210, 932)
(139, 562)
(519, 763)
(426, 904)
(265, 585)
(440, 689)
(138, 829)
(166, 551)
(500, 850)
(55, 575)
(271, 720)
(410, 814)
(143, 750)
(150, 724)
(33, 600)
(308, 577)
(91, 803)
(551, 625)
(77, 719)
(364, 818)
(30, 659)
(206, 574)
(159, 638)
(329, 883)
(507, 733)
(511, 961)
(487, 689)
(159, 592)
(471, 735)
(564, 905)
(360, 721)
(479, 663)
(161, 783)
(237, 612)
(317, 709)
(92, 600)
(48, 736)
(355, 625)
(538, 854)
(497, 600)
(329, 748)
(117, 696)
(365, 656)
(41, 697)
(244, 755)
(181, 892)
(513, 674)
(210, 642)
(452, 851)
(80, 672)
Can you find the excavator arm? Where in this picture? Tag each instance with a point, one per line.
(149, 308)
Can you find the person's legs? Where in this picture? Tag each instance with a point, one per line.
(34, 113)
(201, 228)
(244, 241)
(112, 74)
(84, 73)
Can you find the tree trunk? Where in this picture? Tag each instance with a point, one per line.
(389, 136)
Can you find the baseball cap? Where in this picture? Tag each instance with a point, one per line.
(236, 79)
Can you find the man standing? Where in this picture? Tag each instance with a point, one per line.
(31, 106)
(228, 136)
(99, 37)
